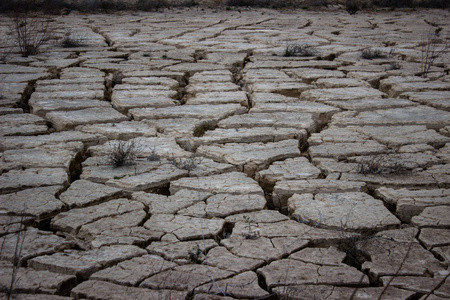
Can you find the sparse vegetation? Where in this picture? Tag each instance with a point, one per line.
(251, 233)
(188, 164)
(154, 156)
(30, 31)
(432, 48)
(123, 153)
(71, 41)
(372, 53)
(299, 50)
(352, 6)
(382, 165)
(196, 255)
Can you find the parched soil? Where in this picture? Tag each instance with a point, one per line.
(228, 154)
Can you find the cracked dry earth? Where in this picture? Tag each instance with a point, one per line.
(257, 176)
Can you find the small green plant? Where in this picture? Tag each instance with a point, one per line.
(299, 50)
(196, 255)
(123, 153)
(372, 53)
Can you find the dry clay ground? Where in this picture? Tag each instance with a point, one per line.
(258, 176)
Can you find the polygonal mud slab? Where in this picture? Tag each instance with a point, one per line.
(338, 293)
(120, 131)
(274, 120)
(331, 166)
(403, 135)
(288, 88)
(181, 127)
(244, 285)
(423, 285)
(13, 224)
(150, 81)
(103, 290)
(45, 157)
(84, 193)
(309, 75)
(68, 86)
(318, 109)
(44, 204)
(369, 104)
(294, 272)
(436, 217)
(21, 119)
(222, 205)
(160, 204)
(333, 82)
(286, 188)
(120, 223)
(247, 135)
(335, 135)
(33, 243)
(186, 277)
(132, 272)
(184, 227)
(434, 237)
(262, 216)
(26, 280)
(264, 98)
(43, 106)
(251, 157)
(398, 88)
(35, 297)
(411, 202)
(143, 147)
(437, 99)
(175, 250)
(84, 263)
(159, 100)
(347, 211)
(22, 142)
(17, 180)
(212, 76)
(65, 120)
(158, 177)
(348, 93)
(72, 220)
(203, 87)
(99, 169)
(415, 115)
(238, 97)
(289, 169)
(221, 258)
(193, 68)
(206, 111)
(127, 235)
(272, 241)
(26, 129)
(235, 183)
(397, 252)
(343, 150)
(408, 179)
(330, 256)
(282, 63)
(76, 94)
